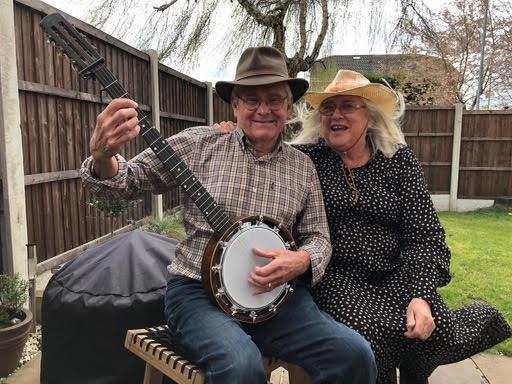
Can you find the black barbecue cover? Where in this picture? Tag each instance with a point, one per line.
(92, 301)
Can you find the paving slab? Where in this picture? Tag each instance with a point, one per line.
(27, 374)
(497, 369)
(463, 372)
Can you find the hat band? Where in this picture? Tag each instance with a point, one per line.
(259, 73)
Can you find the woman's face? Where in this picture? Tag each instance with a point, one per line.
(344, 122)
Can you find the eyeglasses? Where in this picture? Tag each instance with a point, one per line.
(345, 108)
(253, 103)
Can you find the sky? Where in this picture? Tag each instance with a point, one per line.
(353, 40)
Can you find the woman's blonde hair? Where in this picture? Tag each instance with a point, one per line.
(383, 130)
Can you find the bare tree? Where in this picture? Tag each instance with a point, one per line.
(454, 35)
(299, 28)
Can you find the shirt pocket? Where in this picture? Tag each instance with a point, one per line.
(287, 199)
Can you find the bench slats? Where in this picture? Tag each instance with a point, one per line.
(162, 360)
(159, 357)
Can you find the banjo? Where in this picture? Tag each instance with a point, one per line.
(228, 258)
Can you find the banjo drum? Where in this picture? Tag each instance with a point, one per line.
(228, 258)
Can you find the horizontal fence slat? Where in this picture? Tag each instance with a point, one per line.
(48, 177)
(499, 139)
(496, 169)
(428, 134)
(483, 197)
(436, 163)
(49, 90)
(428, 107)
(177, 116)
(43, 89)
(489, 112)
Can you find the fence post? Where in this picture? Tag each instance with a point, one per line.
(454, 179)
(14, 226)
(157, 205)
(209, 103)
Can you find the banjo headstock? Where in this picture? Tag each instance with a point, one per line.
(73, 44)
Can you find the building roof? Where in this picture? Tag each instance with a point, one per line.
(366, 63)
(369, 63)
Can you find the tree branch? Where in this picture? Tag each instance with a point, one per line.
(302, 29)
(320, 38)
(256, 14)
(163, 7)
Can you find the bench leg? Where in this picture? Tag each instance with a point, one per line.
(152, 375)
(297, 375)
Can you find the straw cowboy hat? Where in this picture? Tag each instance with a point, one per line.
(353, 83)
(261, 66)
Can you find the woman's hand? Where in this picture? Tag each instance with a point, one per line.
(224, 126)
(420, 323)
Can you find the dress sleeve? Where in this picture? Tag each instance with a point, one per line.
(423, 249)
(145, 172)
(311, 230)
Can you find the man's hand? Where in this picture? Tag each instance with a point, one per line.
(420, 323)
(285, 266)
(225, 126)
(115, 126)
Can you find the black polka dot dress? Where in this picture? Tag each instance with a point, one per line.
(388, 248)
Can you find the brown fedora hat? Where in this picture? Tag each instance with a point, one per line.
(261, 66)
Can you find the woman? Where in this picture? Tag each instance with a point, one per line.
(389, 254)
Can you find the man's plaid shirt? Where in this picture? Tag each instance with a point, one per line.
(282, 185)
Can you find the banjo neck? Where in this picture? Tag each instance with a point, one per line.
(216, 217)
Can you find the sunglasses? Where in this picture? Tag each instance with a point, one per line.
(345, 108)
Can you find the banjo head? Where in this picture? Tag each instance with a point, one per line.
(231, 263)
(238, 261)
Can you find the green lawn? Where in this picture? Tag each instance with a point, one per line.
(481, 268)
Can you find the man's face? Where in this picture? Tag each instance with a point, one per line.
(262, 123)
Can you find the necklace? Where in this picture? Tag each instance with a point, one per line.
(349, 178)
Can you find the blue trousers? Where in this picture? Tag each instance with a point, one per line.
(230, 352)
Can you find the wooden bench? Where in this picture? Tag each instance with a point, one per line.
(150, 345)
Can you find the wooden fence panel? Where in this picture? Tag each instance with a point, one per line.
(222, 111)
(429, 132)
(486, 154)
(58, 112)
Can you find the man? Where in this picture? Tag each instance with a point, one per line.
(249, 172)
